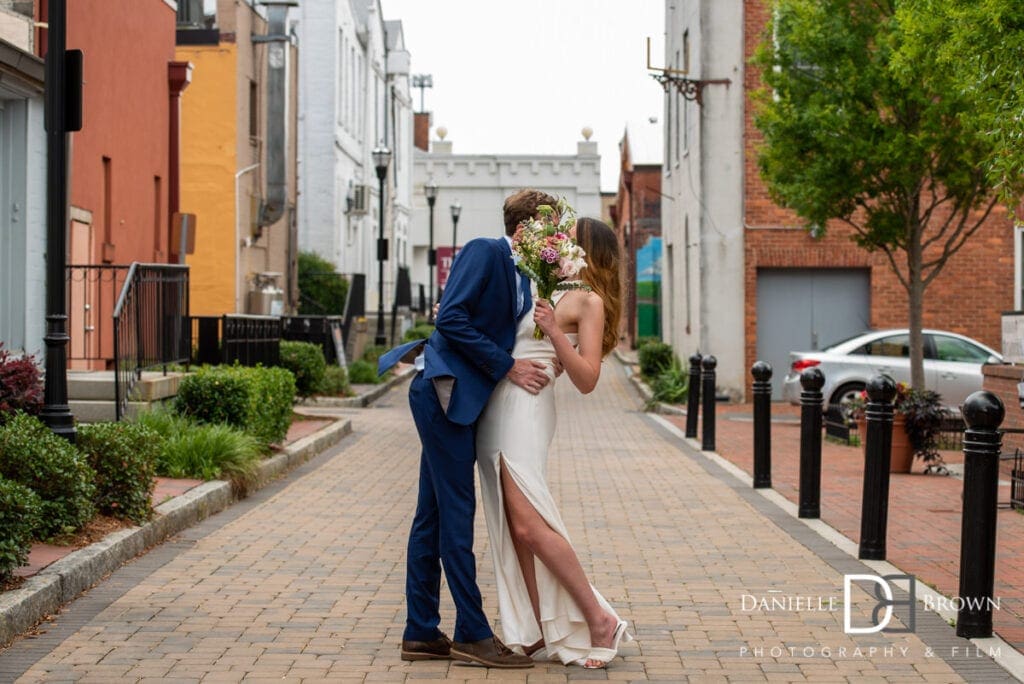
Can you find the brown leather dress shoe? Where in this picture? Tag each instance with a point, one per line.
(438, 649)
(490, 653)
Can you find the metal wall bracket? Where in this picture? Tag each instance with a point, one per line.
(690, 89)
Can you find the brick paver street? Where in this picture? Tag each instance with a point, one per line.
(304, 581)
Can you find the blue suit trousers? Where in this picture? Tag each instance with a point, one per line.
(442, 529)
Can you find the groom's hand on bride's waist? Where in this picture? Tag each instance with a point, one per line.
(529, 375)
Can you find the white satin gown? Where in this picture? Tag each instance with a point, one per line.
(517, 427)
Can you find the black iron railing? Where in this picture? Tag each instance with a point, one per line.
(150, 325)
(93, 290)
(247, 339)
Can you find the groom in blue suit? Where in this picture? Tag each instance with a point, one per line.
(459, 366)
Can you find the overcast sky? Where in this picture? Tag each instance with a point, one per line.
(526, 76)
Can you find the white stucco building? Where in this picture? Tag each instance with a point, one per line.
(480, 183)
(22, 188)
(703, 277)
(353, 97)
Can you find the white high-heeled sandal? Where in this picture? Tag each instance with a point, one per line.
(605, 655)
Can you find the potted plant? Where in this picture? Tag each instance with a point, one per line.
(917, 417)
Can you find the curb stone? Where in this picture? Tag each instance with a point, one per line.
(62, 581)
(367, 398)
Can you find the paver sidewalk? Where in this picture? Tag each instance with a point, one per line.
(306, 584)
(925, 511)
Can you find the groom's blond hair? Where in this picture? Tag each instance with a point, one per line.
(522, 205)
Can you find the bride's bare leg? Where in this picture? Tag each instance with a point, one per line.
(525, 557)
(530, 530)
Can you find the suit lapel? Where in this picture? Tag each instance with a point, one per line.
(511, 273)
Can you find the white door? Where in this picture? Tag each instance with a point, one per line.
(956, 367)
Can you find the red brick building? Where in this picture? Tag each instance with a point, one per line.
(636, 216)
(744, 279)
(124, 164)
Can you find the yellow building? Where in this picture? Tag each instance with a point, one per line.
(238, 157)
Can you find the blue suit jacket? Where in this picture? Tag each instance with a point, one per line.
(475, 328)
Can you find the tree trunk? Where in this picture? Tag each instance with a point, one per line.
(915, 296)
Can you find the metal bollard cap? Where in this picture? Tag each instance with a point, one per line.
(812, 379)
(983, 410)
(762, 371)
(709, 362)
(881, 389)
(695, 359)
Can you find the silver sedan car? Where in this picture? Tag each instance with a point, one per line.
(952, 364)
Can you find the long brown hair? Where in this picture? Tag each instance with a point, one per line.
(602, 274)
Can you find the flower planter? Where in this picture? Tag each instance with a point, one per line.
(901, 455)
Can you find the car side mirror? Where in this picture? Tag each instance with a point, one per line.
(993, 360)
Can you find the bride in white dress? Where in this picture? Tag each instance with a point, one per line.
(544, 597)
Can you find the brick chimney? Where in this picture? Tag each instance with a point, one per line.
(421, 130)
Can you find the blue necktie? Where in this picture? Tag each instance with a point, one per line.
(523, 298)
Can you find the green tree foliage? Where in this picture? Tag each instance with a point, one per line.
(322, 290)
(848, 136)
(979, 44)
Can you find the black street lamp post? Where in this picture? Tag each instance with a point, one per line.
(381, 159)
(430, 190)
(456, 210)
(63, 114)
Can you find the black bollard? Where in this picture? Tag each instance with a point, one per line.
(762, 373)
(811, 380)
(874, 510)
(707, 379)
(983, 413)
(693, 397)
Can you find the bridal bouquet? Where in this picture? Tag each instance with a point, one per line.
(546, 253)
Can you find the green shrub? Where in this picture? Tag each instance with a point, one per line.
(306, 362)
(210, 452)
(31, 455)
(646, 340)
(336, 382)
(164, 422)
(418, 332)
(671, 385)
(19, 516)
(322, 290)
(124, 458)
(255, 400)
(363, 373)
(371, 354)
(655, 357)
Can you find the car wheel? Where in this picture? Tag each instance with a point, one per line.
(845, 395)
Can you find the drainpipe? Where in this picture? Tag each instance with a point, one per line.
(238, 230)
(179, 75)
(277, 40)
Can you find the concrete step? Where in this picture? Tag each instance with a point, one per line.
(99, 385)
(100, 411)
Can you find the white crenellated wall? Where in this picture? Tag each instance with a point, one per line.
(481, 182)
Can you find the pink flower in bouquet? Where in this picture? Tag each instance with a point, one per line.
(547, 254)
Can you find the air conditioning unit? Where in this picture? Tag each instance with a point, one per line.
(361, 199)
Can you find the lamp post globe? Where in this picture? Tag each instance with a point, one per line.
(381, 160)
(430, 191)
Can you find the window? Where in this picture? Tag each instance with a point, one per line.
(341, 78)
(1018, 267)
(679, 105)
(158, 215)
(894, 345)
(254, 112)
(954, 349)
